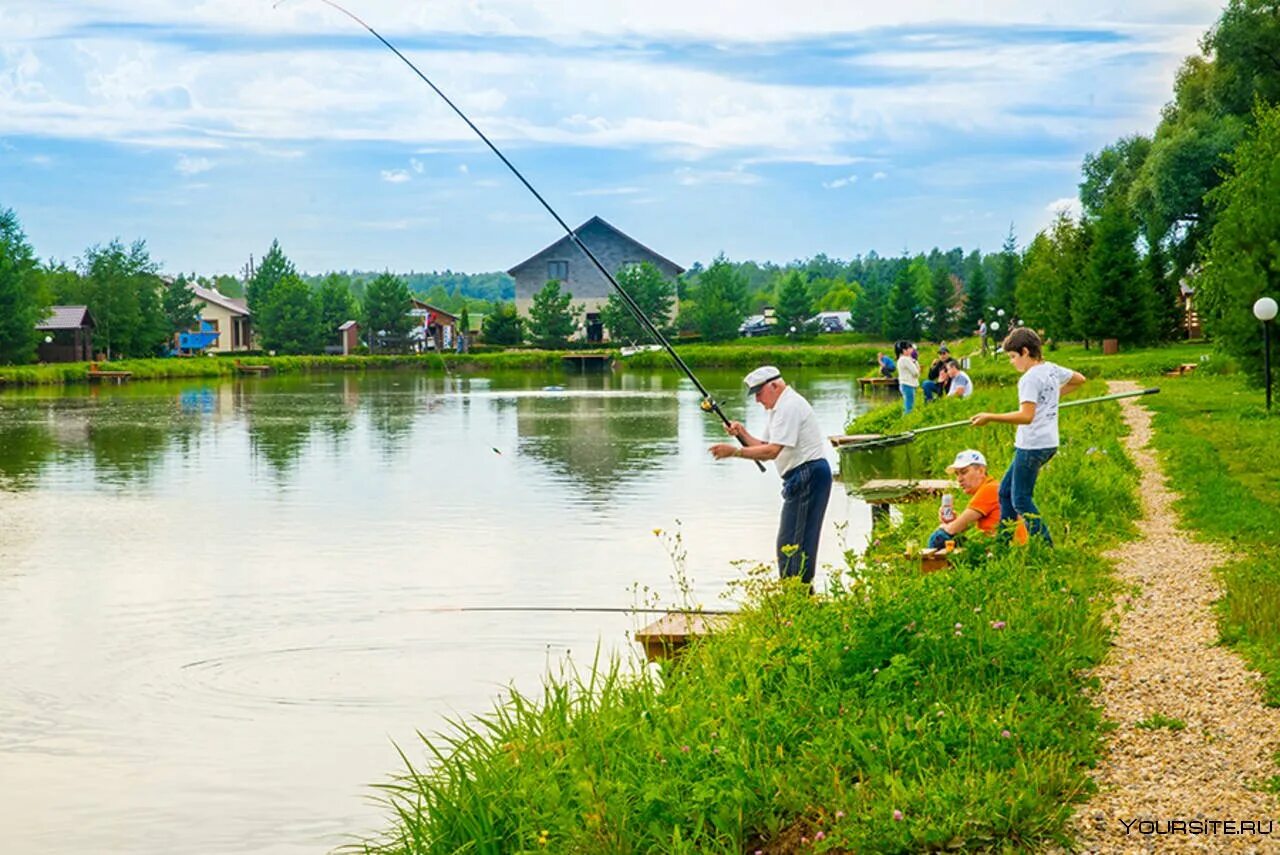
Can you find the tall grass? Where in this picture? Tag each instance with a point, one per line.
(1219, 444)
(896, 713)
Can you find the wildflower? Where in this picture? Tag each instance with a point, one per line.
(997, 624)
(684, 748)
(542, 837)
(977, 609)
(657, 532)
(959, 626)
(804, 841)
(1004, 734)
(839, 814)
(821, 835)
(897, 815)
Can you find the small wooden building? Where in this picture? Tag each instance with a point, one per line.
(350, 332)
(438, 326)
(67, 335)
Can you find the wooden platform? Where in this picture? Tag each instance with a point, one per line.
(669, 634)
(98, 375)
(866, 384)
(1184, 368)
(588, 360)
(253, 369)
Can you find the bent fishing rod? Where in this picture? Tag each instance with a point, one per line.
(708, 404)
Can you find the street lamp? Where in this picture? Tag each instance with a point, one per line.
(1265, 310)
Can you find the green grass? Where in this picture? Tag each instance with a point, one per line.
(953, 699)
(1158, 721)
(1218, 443)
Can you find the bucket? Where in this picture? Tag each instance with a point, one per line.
(889, 457)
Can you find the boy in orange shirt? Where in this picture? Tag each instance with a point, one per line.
(970, 468)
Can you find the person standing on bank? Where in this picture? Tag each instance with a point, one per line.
(908, 375)
(793, 440)
(1036, 440)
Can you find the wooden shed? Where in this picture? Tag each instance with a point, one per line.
(67, 335)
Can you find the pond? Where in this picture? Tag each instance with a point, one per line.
(221, 600)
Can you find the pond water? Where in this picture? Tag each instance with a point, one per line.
(216, 597)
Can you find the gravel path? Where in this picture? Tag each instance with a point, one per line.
(1165, 660)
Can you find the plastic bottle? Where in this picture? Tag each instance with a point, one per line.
(948, 507)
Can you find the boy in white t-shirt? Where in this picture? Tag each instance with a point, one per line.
(1036, 440)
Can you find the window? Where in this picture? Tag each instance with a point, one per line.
(558, 270)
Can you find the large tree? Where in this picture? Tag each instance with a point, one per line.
(652, 292)
(794, 303)
(1115, 300)
(337, 306)
(552, 316)
(387, 304)
(1243, 262)
(722, 300)
(503, 325)
(123, 295)
(21, 303)
(292, 317)
(179, 306)
(273, 267)
(975, 299)
(941, 300)
(1006, 291)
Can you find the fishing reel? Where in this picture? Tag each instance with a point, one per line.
(707, 405)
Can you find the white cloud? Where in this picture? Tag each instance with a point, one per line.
(394, 176)
(840, 182)
(416, 165)
(193, 165)
(1068, 204)
(692, 177)
(879, 176)
(463, 168)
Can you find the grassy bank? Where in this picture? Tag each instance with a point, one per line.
(897, 713)
(162, 369)
(1218, 445)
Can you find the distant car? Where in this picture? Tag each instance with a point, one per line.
(755, 325)
(830, 322)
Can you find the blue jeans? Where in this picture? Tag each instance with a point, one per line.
(1016, 487)
(939, 538)
(932, 389)
(805, 491)
(908, 397)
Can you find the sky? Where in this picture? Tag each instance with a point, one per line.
(759, 129)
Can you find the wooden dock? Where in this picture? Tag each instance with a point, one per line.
(97, 375)
(671, 633)
(589, 360)
(252, 369)
(869, 384)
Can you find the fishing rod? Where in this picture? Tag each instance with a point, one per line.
(708, 404)
(855, 443)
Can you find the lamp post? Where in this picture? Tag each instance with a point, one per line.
(1265, 310)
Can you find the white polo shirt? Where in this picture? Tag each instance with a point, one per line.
(793, 425)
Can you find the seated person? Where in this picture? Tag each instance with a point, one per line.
(936, 385)
(970, 468)
(961, 385)
(888, 368)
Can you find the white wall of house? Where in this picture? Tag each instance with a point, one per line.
(225, 321)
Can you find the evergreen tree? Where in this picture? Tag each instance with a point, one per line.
(1166, 307)
(503, 325)
(975, 301)
(122, 289)
(464, 324)
(1006, 294)
(337, 306)
(292, 314)
(1114, 302)
(273, 268)
(179, 307)
(387, 304)
(552, 317)
(900, 320)
(941, 297)
(794, 304)
(21, 303)
(653, 293)
(722, 301)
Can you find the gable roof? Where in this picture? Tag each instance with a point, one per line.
(427, 307)
(231, 304)
(591, 222)
(348, 325)
(67, 318)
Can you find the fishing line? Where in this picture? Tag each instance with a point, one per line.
(708, 404)
(585, 609)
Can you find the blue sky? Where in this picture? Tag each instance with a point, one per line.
(760, 129)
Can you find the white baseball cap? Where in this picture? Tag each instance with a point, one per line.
(968, 457)
(763, 374)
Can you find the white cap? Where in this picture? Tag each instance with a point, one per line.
(968, 457)
(759, 377)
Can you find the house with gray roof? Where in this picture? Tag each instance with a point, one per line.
(565, 262)
(227, 316)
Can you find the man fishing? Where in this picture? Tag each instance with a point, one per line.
(794, 441)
